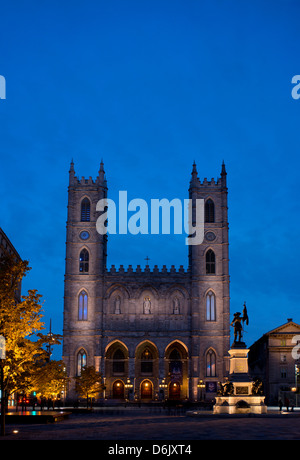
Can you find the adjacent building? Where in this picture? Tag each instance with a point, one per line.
(274, 359)
(6, 247)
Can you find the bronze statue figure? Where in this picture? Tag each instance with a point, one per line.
(237, 323)
(226, 389)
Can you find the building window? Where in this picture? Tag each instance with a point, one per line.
(210, 262)
(210, 306)
(85, 210)
(283, 372)
(147, 362)
(81, 361)
(118, 362)
(209, 211)
(283, 357)
(84, 261)
(82, 306)
(210, 364)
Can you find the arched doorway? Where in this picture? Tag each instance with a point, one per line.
(146, 389)
(174, 390)
(176, 367)
(118, 389)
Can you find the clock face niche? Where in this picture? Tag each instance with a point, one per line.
(210, 236)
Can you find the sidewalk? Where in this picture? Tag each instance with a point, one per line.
(135, 408)
(140, 424)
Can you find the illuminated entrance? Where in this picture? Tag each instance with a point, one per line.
(118, 389)
(174, 390)
(146, 389)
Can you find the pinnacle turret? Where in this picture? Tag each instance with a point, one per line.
(101, 173)
(71, 172)
(194, 172)
(72, 166)
(223, 175)
(194, 179)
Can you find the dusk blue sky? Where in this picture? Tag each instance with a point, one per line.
(149, 87)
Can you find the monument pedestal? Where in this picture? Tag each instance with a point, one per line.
(237, 393)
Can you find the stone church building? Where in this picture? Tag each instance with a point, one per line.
(152, 333)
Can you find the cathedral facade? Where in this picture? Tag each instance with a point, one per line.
(152, 333)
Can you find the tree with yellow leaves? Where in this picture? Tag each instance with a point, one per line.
(89, 383)
(20, 324)
(49, 379)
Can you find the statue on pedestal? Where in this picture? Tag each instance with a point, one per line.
(239, 394)
(236, 323)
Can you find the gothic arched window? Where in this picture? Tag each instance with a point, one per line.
(210, 262)
(146, 362)
(209, 211)
(210, 364)
(210, 306)
(84, 261)
(85, 210)
(118, 362)
(82, 306)
(81, 361)
(175, 355)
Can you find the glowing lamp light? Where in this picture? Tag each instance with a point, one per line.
(163, 384)
(128, 384)
(201, 384)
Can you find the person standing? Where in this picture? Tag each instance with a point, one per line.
(287, 403)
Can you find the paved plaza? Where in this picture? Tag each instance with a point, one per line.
(148, 424)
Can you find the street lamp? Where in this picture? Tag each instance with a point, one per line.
(129, 386)
(163, 384)
(201, 385)
(49, 345)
